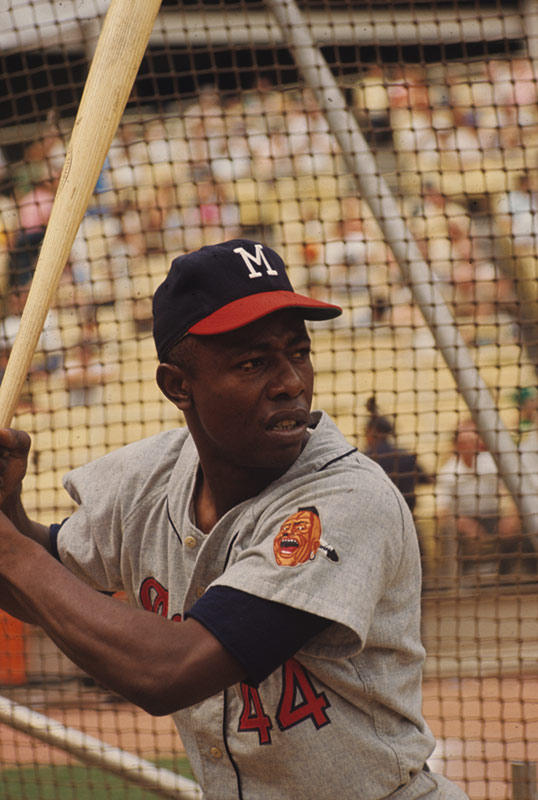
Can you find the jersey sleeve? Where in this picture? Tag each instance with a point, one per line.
(333, 546)
(260, 634)
(91, 542)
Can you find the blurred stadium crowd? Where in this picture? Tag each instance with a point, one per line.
(457, 143)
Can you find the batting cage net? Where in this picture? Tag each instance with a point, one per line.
(389, 152)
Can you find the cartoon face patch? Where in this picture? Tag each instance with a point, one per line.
(299, 539)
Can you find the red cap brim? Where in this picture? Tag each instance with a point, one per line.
(248, 309)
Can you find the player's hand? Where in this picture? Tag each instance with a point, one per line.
(14, 448)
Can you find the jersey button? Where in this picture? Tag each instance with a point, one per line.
(215, 752)
(200, 590)
(190, 542)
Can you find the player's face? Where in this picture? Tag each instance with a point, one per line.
(468, 439)
(251, 393)
(298, 539)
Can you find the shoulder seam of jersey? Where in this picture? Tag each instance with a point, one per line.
(338, 458)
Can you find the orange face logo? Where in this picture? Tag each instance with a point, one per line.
(298, 539)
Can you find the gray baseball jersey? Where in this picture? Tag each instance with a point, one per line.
(332, 537)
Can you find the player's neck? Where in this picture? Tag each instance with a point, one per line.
(217, 492)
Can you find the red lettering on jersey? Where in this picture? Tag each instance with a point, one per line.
(253, 717)
(154, 598)
(299, 700)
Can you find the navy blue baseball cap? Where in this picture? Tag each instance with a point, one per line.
(222, 287)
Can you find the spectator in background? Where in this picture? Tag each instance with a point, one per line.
(415, 143)
(232, 159)
(4, 173)
(401, 466)
(49, 352)
(471, 496)
(43, 159)
(9, 226)
(213, 216)
(442, 229)
(514, 98)
(311, 145)
(470, 96)
(341, 262)
(371, 100)
(34, 209)
(85, 370)
(517, 215)
(525, 95)
(526, 400)
(376, 313)
(457, 140)
(205, 131)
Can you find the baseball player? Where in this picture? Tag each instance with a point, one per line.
(280, 564)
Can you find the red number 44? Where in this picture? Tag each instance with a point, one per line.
(299, 701)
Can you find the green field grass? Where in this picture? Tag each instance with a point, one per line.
(76, 782)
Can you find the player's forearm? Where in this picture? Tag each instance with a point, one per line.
(11, 606)
(157, 664)
(15, 511)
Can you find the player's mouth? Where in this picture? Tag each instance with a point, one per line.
(285, 425)
(288, 422)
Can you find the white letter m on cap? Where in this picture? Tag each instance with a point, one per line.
(258, 258)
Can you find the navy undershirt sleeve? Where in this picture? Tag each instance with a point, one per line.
(54, 530)
(260, 634)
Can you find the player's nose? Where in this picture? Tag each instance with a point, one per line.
(287, 379)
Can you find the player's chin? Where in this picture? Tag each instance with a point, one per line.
(281, 448)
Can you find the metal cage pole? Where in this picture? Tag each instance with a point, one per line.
(93, 751)
(524, 780)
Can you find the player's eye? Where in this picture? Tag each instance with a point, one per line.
(302, 353)
(252, 363)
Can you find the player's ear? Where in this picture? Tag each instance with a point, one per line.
(174, 384)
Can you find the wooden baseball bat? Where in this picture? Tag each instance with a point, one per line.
(123, 40)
